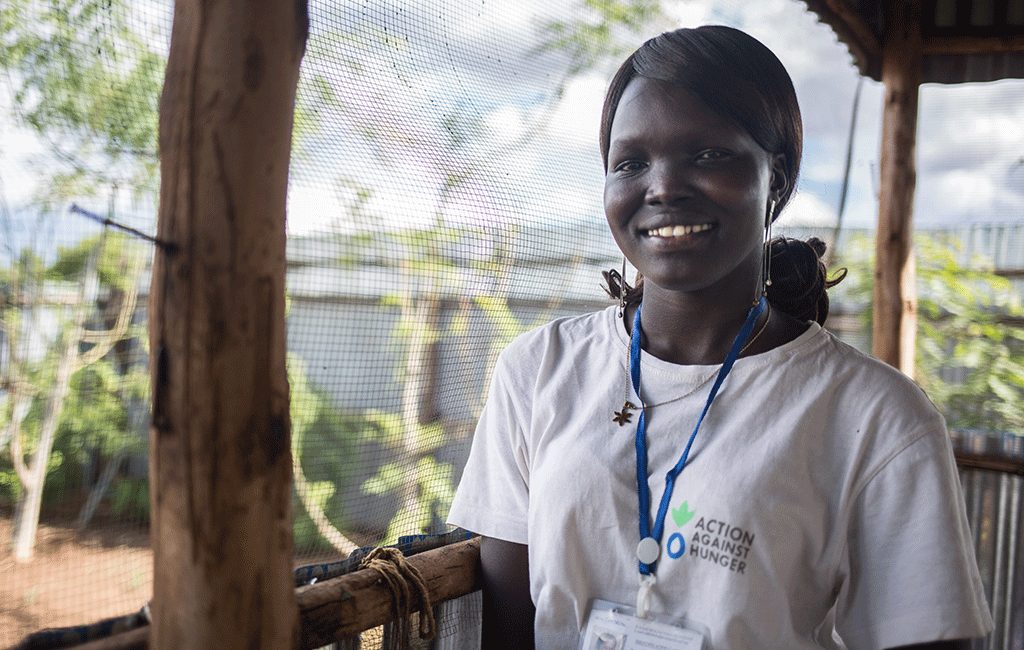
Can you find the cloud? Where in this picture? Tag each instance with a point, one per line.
(577, 116)
(423, 91)
(809, 210)
(970, 143)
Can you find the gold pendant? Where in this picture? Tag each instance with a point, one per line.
(624, 416)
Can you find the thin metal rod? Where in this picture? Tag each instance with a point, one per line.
(847, 165)
(105, 221)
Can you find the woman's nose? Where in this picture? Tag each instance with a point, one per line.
(668, 183)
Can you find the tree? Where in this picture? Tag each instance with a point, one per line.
(455, 154)
(88, 86)
(970, 344)
(599, 36)
(971, 349)
(43, 387)
(307, 408)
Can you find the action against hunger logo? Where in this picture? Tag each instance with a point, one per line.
(676, 546)
(712, 540)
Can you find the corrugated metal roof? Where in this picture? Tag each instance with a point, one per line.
(963, 40)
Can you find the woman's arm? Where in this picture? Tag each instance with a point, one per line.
(508, 609)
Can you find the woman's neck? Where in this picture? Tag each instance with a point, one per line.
(690, 328)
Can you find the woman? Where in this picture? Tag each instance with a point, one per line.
(699, 456)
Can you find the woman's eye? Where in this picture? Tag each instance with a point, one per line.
(712, 154)
(629, 166)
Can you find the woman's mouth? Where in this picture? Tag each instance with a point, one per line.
(679, 231)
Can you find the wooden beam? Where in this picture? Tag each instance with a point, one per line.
(990, 463)
(866, 38)
(894, 300)
(220, 465)
(963, 45)
(345, 606)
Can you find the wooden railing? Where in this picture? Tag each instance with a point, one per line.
(341, 608)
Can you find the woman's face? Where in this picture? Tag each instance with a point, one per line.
(686, 191)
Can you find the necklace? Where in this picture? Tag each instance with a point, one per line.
(760, 330)
(625, 415)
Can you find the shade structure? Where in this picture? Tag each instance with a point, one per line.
(961, 40)
(904, 43)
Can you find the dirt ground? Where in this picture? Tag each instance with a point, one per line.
(74, 578)
(77, 578)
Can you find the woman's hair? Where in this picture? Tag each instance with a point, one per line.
(730, 71)
(741, 79)
(799, 280)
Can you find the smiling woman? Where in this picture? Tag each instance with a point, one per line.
(805, 481)
(686, 190)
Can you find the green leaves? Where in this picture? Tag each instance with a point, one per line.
(117, 253)
(970, 343)
(599, 36)
(89, 85)
(434, 483)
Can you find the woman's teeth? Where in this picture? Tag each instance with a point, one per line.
(678, 231)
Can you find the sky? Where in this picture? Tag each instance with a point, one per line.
(970, 146)
(449, 112)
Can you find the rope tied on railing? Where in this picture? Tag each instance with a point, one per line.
(398, 575)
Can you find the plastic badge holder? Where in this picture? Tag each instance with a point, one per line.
(611, 626)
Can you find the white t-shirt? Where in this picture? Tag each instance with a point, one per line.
(820, 501)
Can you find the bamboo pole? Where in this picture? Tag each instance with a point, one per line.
(894, 300)
(220, 465)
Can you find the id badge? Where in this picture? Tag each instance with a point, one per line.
(610, 626)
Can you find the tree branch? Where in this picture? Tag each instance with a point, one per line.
(106, 340)
(334, 537)
(19, 410)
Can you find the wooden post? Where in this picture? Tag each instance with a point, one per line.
(895, 301)
(220, 463)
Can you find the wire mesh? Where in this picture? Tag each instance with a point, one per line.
(445, 196)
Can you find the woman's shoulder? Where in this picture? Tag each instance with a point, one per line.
(562, 337)
(568, 330)
(874, 386)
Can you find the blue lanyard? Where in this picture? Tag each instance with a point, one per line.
(643, 487)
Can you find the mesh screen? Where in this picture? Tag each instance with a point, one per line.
(445, 196)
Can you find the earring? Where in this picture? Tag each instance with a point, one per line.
(622, 288)
(766, 256)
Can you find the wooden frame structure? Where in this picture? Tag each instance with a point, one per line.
(904, 43)
(220, 464)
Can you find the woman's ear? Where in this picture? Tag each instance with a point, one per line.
(779, 185)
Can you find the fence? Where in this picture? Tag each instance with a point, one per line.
(445, 197)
